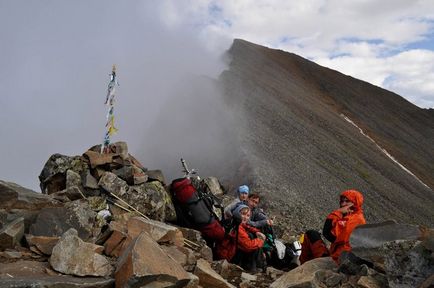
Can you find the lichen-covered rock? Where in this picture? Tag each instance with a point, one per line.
(152, 200)
(56, 221)
(53, 175)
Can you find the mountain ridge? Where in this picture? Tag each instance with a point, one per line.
(291, 117)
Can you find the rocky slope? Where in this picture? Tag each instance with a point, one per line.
(300, 127)
(104, 220)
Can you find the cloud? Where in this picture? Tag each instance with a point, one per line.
(55, 61)
(366, 39)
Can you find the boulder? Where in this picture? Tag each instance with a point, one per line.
(24, 273)
(73, 179)
(73, 256)
(53, 175)
(13, 196)
(306, 275)
(97, 159)
(71, 193)
(45, 244)
(182, 255)
(212, 185)
(149, 198)
(89, 181)
(201, 248)
(11, 234)
(56, 221)
(208, 277)
(156, 175)
(159, 231)
(228, 271)
(113, 184)
(407, 263)
(144, 259)
(115, 243)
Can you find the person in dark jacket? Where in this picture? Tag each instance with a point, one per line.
(337, 229)
(243, 244)
(258, 218)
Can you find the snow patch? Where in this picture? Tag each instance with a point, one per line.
(382, 149)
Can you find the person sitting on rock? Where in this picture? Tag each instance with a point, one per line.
(337, 229)
(258, 218)
(243, 193)
(242, 245)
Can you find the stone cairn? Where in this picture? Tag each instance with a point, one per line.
(103, 220)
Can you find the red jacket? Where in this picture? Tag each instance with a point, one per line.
(227, 248)
(342, 226)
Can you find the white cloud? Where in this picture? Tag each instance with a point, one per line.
(366, 39)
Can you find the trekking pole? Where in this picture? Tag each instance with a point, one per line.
(129, 206)
(187, 173)
(120, 206)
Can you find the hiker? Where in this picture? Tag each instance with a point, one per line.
(242, 245)
(337, 228)
(258, 218)
(243, 193)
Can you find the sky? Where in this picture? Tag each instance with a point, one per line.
(56, 56)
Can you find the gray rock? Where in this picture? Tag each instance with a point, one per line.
(71, 193)
(13, 196)
(156, 175)
(212, 185)
(73, 179)
(145, 260)
(56, 221)
(53, 175)
(113, 184)
(11, 234)
(306, 275)
(153, 200)
(89, 181)
(407, 263)
(208, 277)
(73, 256)
(34, 274)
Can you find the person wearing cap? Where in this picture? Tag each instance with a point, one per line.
(242, 195)
(242, 245)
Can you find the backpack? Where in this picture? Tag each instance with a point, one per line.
(194, 208)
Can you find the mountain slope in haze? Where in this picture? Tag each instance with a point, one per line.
(292, 118)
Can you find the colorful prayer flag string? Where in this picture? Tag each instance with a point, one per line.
(109, 101)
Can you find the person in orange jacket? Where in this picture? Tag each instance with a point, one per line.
(243, 243)
(337, 229)
(340, 223)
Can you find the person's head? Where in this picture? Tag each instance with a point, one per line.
(353, 197)
(253, 200)
(242, 213)
(243, 192)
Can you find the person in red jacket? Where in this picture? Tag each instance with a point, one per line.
(242, 245)
(340, 223)
(337, 229)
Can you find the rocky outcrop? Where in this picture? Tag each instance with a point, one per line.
(117, 175)
(108, 222)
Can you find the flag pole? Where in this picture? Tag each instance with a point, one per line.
(109, 102)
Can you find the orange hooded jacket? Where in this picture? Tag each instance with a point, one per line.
(342, 226)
